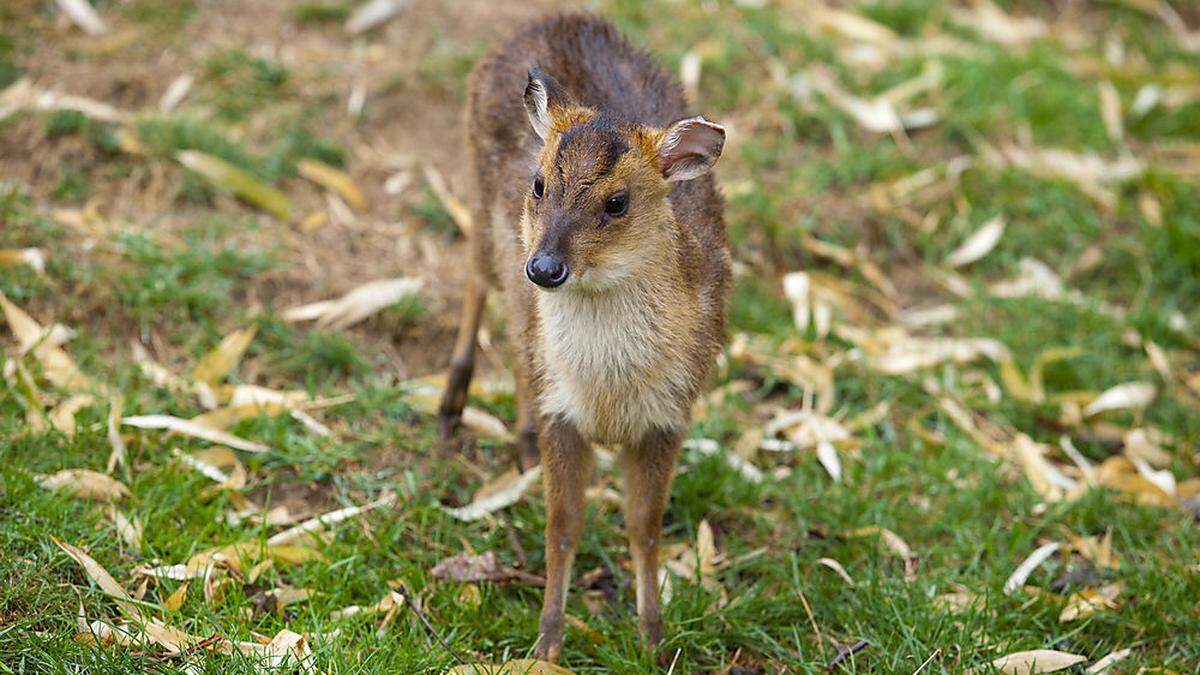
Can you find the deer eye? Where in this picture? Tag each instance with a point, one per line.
(617, 205)
(539, 188)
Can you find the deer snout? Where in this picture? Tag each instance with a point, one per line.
(546, 270)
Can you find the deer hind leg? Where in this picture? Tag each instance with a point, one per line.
(566, 473)
(648, 466)
(527, 431)
(462, 362)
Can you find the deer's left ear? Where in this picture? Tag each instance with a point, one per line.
(689, 148)
(545, 99)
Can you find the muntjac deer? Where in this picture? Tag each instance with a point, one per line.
(597, 220)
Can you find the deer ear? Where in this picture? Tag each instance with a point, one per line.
(545, 99)
(689, 148)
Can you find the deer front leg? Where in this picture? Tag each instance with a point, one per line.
(566, 473)
(649, 466)
(462, 362)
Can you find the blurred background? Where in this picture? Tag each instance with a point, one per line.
(963, 337)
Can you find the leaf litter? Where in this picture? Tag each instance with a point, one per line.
(858, 328)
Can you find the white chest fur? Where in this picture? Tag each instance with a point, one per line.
(615, 364)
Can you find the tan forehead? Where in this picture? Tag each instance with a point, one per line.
(593, 152)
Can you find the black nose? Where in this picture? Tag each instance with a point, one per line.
(547, 271)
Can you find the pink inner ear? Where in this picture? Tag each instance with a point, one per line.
(690, 147)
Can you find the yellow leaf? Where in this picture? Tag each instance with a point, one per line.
(103, 579)
(175, 600)
(514, 667)
(458, 211)
(63, 415)
(332, 179)
(957, 602)
(1036, 661)
(33, 257)
(222, 418)
(57, 366)
(293, 555)
(218, 363)
(1089, 601)
(232, 179)
(85, 484)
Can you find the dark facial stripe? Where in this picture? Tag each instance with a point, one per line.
(598, 138)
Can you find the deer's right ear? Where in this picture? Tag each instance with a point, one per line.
(545, 98)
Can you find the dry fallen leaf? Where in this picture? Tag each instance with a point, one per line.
(1036, 661)
(1102, 666)
(189, 428)
(222, 359)
(314, 525)
(57, 367)
(486, 425)
(389, 601)
(372, 14)
(129, 529)
(1092, 174)
(62, 416)
(286, 651)
(894, 543)
(217, 463)
(161, 377)
(103, 579)
(332, 179)
(706, 553)
(1089, 601)
(85, 484)
(1121, 474)
(453, 205)
(33, 257)
(468, 567)
(957, 602)
(83, 15)
(979, 244)
(877, 115)
(709, 447)
(117, 453)
(175, 93)
(223, 418)
(1027, 566)
(1045, 478)
(175, 600)
(837, 567)
(228, 177)
(357, 304)
(994, 24)
(499, 493)
(1131, 395)
(515, 667)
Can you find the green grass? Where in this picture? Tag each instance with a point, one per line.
(793, 168)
